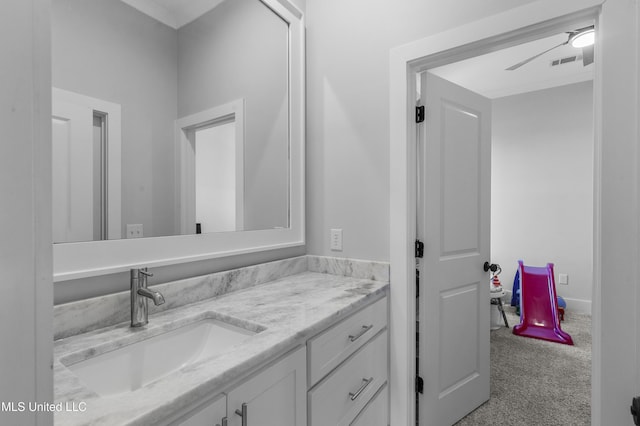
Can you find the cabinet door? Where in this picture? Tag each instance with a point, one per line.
(275, 396)
(210, 414)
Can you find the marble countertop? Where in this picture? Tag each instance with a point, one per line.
(288, 311)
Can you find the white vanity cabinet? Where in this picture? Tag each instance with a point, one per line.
(274, 396)
(348, 367)
(211, 414)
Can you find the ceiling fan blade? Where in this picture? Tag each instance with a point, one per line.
(526, 61)
(587, 55)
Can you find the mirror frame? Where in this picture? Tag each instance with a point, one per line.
(94, 258)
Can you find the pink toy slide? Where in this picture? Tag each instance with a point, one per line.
(539, 305)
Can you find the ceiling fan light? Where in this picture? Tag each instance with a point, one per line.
(584, 38)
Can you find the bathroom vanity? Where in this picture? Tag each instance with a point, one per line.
(275, 395)
(302, 341)
(310, 348)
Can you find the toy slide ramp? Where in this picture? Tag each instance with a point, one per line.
(539, 305)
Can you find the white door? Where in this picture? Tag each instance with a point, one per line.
(72, 180)
(216, 190)
(453, 222)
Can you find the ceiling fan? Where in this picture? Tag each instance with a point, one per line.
(580, 38)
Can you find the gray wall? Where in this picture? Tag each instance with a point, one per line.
(348, 45)
(239, 50)
(110, 51)
(542, 186)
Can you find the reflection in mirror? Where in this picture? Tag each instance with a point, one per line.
(217, 191)
(212, 147)
(86, 142)
(160, 171)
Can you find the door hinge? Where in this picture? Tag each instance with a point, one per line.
(419, 384)
(419, 249)
(420, 114)
(635, 410)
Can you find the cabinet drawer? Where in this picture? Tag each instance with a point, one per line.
(376, 413)
(333, 346)
(343, 394)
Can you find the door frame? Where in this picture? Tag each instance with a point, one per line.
(113, 112)
(509, 28)
(185, 160)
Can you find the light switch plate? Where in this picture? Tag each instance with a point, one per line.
(563, 279)
(336, 239)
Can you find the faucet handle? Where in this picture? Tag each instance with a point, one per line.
(144, 272)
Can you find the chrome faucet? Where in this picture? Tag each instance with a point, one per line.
(140, 295)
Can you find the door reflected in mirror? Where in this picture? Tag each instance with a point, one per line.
(216, 190)
(137, 152)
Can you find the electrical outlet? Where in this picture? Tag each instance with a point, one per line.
(134, 230)
(336, 239)
(563, 279)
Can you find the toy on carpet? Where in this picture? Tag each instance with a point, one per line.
(539, 317)
(515, 297)
(562, 305)
(496, 292)
(496, 285)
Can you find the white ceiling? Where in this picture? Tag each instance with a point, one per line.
(174, 13)
(487, 74)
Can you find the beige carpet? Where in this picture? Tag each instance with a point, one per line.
(534, 382)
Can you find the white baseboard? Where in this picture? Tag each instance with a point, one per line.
(580, 306)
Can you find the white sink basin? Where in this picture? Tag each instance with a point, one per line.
(131, 367)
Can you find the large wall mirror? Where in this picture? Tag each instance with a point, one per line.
(177, 131)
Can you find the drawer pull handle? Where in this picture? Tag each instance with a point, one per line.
(243, 414)
(364, 329)
(365, 383)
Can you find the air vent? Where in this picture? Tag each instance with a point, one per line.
(566, 60)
